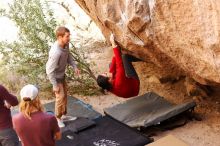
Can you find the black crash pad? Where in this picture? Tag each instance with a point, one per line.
(78, 125)
(146, 110)
(106, 132)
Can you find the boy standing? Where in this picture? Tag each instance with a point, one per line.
(59, 58)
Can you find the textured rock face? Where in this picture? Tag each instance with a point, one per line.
(181, 36)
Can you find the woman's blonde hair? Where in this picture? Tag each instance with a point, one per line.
(28, 106)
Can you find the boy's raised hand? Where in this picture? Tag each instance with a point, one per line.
(77, 71)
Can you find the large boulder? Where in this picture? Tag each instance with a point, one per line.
(181, 36)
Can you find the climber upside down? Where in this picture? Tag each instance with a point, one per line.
(123, 80)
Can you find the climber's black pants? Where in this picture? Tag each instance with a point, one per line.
(130, 72)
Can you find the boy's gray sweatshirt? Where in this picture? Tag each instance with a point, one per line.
(57, 62)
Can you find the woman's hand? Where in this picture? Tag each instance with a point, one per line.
(7, 105)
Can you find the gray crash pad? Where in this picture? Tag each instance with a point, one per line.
(75, 108)
(146, 110)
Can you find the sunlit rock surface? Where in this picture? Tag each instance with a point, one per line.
(181, 36)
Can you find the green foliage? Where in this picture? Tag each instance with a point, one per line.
(28, 55)
(11, 80)
(85, 80)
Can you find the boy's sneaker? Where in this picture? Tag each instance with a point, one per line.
(60, 123)
(68, 118)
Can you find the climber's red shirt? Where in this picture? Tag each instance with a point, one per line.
(121, 85)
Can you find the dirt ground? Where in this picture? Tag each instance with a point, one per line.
(194, 133)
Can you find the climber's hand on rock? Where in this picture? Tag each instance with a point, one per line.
(112, 40)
